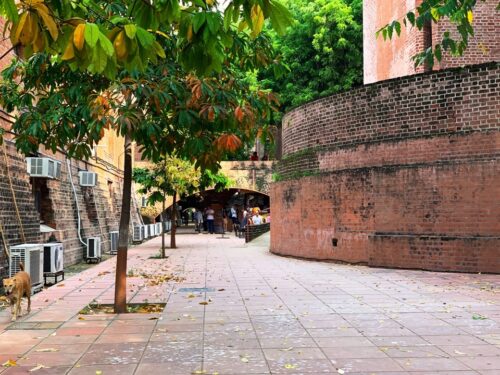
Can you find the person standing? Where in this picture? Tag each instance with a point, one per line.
(198, 219)
(210, 220)
(234, 215)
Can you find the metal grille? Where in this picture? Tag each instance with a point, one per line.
(34, 269)
(137, 233)
(16, 258)
(114, 241)
(51, 169)
(91, 248)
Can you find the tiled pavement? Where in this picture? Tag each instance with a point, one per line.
(265, 315)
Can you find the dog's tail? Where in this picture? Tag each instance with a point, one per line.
(21, 266)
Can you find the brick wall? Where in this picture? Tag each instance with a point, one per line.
(99, 206)
(403, 173)
(392, 58)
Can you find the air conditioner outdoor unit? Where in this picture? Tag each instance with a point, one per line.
(145, 231)
(138, 233)
(31, 255)
(43, 167)
(167, 226)
(113, 237)
(152, 230)
(93, 249)
(158, 228)
(53, 257)
(87, 178)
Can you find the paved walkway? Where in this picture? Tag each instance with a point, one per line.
(263, 314)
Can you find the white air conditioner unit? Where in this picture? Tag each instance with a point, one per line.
(43, 167)
(113, 237)
(31, 255)
(87, 178)
(145, 231)
(93, 249)
(152, 230)
(53, 257)
(138, 233)
(158, 228)
(167, 226)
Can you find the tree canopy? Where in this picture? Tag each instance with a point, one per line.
(323, 51)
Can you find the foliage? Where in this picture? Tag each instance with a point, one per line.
(169, 75)
(175, 175)
(460, 14)
(103, 37)
(323, 51)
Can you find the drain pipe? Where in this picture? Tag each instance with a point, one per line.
(76, 201)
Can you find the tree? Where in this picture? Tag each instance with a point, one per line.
(323, 51)
(459, 13)
(175, 177)
(166, 76)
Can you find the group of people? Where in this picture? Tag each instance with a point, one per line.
(205, 220)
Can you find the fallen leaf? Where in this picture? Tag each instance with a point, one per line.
(60, 285)
(47, 350)
(221, 290)
(287, 349)
(478, 317)
(81, 318)
(9, 363)
(340, 371)
(290, 366)
(459, 352)
(38, 367)
(98, 372)
(243, 359)
(153, 318)
(191, 295)
(203, 303)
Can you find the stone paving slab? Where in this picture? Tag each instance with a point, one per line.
(260, 314)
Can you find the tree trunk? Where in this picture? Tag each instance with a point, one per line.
(163, 228)
(121, 258)
(174, 222)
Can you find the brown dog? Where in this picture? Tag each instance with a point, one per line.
(15, 288)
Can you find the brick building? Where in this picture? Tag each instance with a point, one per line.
(403, 172)
(33, 209)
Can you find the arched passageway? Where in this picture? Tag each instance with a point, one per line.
(221, 202)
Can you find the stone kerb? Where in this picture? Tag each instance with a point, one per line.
(402, 173)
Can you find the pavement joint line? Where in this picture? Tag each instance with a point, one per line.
(248, 313)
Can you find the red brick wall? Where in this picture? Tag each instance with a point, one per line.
(99, 206)
(393, 58)
(403, 173)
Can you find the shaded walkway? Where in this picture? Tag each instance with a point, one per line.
(264, 314)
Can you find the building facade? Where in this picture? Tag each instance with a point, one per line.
(39, 209)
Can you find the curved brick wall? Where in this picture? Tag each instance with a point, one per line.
(403, 173)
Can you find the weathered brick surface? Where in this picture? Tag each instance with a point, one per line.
(392, 58)
(99, 206)
(403, 173)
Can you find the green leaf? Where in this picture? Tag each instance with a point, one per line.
(99, 60)
(130, 30)
(397, 27)
(280, 16)
(198, 21)
(144, 37)
(9, 6)
(106, 44)
(213, 22)
(159, 50)
(411, 17)
(91, 34)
